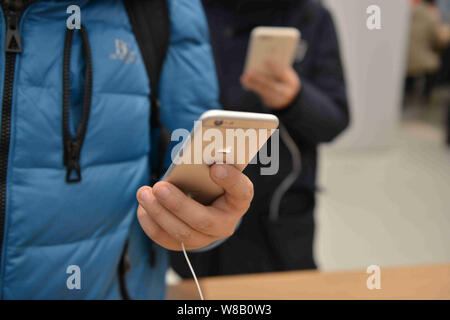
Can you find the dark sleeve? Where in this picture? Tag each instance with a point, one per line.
(320, 112)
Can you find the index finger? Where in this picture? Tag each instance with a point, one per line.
(278, 72)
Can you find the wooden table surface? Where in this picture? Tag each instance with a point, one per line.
(411, 282)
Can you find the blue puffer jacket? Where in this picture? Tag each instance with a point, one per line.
(49, 224)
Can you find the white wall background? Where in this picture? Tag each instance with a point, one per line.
(374, 62)
(386, 182)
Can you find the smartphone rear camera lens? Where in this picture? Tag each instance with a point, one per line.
(218, 122)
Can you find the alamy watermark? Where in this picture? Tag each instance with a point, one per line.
(73, 282)
(227, 145)
(373, 21)
(374, 280)
(74, 20)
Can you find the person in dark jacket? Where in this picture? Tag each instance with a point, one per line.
(310, 101)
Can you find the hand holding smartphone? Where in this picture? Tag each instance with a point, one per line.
(219, 194)
(268, 70)
(220, 136)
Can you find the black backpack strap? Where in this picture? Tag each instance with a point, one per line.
(151, 26)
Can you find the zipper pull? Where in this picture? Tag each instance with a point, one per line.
(13, 38)
(152, 254)
(72, 160)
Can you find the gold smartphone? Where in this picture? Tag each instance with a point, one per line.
(218, 136)
(271, 43)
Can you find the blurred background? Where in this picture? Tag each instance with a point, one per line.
(385, 195)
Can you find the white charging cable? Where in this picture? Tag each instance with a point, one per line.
(192, 271)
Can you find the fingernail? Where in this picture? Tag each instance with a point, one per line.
(220, 172)
(162, 192)
(144, 195)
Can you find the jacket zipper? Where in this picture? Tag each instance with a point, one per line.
(122, 270)
(73, 144)
(13, 46)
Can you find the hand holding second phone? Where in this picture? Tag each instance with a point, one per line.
(169, 217)
(277, 89)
